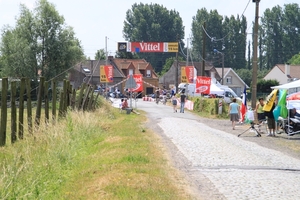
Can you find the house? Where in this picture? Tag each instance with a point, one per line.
(232, 80)
(168, 79)
(284, 73)
(89, 71)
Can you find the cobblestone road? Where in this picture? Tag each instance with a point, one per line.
(223, 165)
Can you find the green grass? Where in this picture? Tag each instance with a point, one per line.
(92, 155)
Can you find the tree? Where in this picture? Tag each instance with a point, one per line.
(100, 55)
(295, 60)
(41, 43)
(152, 23)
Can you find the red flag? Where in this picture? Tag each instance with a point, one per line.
(244, 106)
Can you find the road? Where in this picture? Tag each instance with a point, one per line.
(220, 165)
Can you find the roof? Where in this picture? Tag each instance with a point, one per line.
(294, 70)
(227, 71)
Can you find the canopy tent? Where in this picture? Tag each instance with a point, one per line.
(290, 85)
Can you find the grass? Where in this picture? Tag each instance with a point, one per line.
(92, 155)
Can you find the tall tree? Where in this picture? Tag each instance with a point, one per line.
(40, 43)
(100, 55)
(152, 23)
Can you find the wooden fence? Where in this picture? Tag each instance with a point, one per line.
(85, 99)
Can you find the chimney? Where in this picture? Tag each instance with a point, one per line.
(287, 69)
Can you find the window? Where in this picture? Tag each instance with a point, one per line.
(130, 71)
(148, 73)
(229, 80)
(86, 70)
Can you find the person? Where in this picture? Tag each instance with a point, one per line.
(157, 94)
(125, 107)
(294, 113)
(271, 121)
(234, 109)
(174, 103)
(259, 110)
(182, 101)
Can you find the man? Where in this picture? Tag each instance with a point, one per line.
(125, 107)
(182, 101)
(157, 94)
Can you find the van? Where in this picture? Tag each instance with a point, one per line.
(225, 92)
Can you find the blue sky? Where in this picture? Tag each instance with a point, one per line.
(94, 20)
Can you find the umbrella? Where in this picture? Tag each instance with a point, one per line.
(294, 96)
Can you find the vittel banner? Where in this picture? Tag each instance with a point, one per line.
(152, 47)
(106, 74)
(203, 85)
(139, 83)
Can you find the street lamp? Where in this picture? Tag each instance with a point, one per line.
(216, 51)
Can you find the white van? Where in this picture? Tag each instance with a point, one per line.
(227, 93)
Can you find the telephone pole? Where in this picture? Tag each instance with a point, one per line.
(202, 72)
(254, 62)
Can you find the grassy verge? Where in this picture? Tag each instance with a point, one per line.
(93, 155)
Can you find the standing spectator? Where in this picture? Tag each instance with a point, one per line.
(182, 101)
(234, 112)
(174, 103)
(271, 121)
(157, 94)
(259, 110)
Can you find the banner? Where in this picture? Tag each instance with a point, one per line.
(139, 83)
(152, 47)
(106, 73)
(270, 100)
(203, 85)
(187, 74)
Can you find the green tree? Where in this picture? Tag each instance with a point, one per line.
(152, 23)
(40, 43)
(100, 55)
(295, 60)
(169, 63)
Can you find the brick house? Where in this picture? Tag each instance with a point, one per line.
(89, 71)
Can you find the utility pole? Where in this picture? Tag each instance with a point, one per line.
(254, 63)
(106, 60)
(202, 72)
(176, 69)
(187, 52)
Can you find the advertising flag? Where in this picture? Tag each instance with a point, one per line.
(270, 100)
(203, 85)
(106, 73)
(187, 74)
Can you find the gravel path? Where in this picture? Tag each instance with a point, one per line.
(220, 165)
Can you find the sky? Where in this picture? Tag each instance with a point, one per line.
(99, 24)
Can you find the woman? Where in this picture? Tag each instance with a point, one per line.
(174, 103)
(259, 110)
(234, 110)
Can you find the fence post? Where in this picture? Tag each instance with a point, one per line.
(13, 112)
(80, 97)
(39, 102)
(86, 95)
(65, 97)
(91, 99)
(46, 99)
(61, 105)
(21, 108)
(53, 100)
(29, 108)
(3, 112)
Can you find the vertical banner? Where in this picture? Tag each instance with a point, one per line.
(106, 73)
(203, 85)
(187, 74)
(139, 83)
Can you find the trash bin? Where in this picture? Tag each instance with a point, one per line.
(128, 110)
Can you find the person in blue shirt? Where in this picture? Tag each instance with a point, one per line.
(234, 110)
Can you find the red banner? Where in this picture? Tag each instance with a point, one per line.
(152, 47)
(139, 83)
(106, 73)
(203, 85)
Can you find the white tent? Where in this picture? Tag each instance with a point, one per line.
(290, 85)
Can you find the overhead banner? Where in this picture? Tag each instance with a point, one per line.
(153, 47)
(122, 46)
(139, 83)
(187, 74)
(106, 73)
(203, 85)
